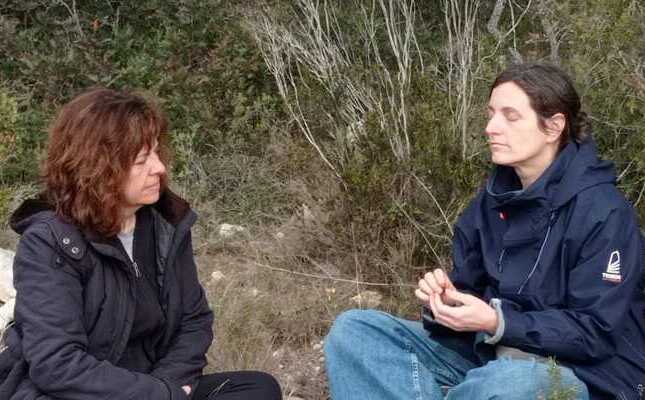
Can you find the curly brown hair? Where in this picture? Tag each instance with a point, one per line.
(93, 143)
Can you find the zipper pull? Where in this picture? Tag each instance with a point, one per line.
(137, 273)
(552, 217)
(499, 261)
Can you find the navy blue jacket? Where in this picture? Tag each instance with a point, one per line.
(75, 307)
(565, 257)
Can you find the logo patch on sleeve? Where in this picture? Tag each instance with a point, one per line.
(613, 268)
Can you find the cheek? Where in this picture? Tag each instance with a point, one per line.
(134, 184)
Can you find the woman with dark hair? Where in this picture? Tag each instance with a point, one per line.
(547, 264)
(108, 302)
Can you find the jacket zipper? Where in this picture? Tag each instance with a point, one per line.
(499, 261)
(137, 273)
(537, 261)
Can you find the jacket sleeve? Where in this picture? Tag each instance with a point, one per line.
(49, 309)
(468, 273)
(186, 357)
(588, 328)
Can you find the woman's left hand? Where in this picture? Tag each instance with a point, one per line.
(469, 314)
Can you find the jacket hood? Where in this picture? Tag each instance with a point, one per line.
(172, 208)
(575, 169)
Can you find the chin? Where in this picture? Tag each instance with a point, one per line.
(500, 160)
(149, 200)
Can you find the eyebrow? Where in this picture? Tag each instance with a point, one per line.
(505, 110)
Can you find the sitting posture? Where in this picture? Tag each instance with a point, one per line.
(547, 264)
(108, 303)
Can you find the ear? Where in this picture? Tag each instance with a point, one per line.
(555, 126)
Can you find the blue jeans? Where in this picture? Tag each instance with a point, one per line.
(373, 355)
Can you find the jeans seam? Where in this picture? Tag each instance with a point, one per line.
(414, 366)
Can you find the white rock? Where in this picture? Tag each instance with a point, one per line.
(7, 291)
(6, 314)
(217, 276)
(317, 346)
(228, 230)
(279, 235)
(368, 299)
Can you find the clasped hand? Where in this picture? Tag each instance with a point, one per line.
(453, 309)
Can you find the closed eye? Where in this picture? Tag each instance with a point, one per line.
(141, 159)
(511, 114)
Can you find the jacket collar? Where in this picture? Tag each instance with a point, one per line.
(576, 169)
(504, 186)
(170, 212)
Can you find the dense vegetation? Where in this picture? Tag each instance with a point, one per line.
(374, 201)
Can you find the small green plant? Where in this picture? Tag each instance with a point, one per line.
(558, 391)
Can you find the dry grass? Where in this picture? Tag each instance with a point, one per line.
(277, 286)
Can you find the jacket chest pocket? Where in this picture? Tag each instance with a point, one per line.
(535, 277)
(528, 255)
(102, 299)
(515, 264)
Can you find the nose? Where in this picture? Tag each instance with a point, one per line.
(492, 127)
(158, 167)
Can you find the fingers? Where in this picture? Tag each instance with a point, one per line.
(444, 309)
(426, 287)
(429, 284)
(435, 282)
(422, 296)
(456, 298)
(440, 277)
(443, 313)
(453, 309)
(443, 279)
(433, 307)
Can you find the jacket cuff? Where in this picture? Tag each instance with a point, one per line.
(501, 323)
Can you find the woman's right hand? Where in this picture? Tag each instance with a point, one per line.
(433, 282)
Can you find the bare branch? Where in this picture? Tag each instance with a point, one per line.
(316, 46)
(460, 17)
(552, 29)
(434, 199)
(495, 16)
(73, 13)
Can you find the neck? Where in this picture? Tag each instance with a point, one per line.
(530, 170)
(129, 220)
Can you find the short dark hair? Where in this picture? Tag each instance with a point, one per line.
(550, 91)
(93, 143)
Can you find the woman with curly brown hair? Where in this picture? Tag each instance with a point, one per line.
(108, 304)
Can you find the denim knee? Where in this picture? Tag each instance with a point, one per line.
(515, 379)
(347, 326)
